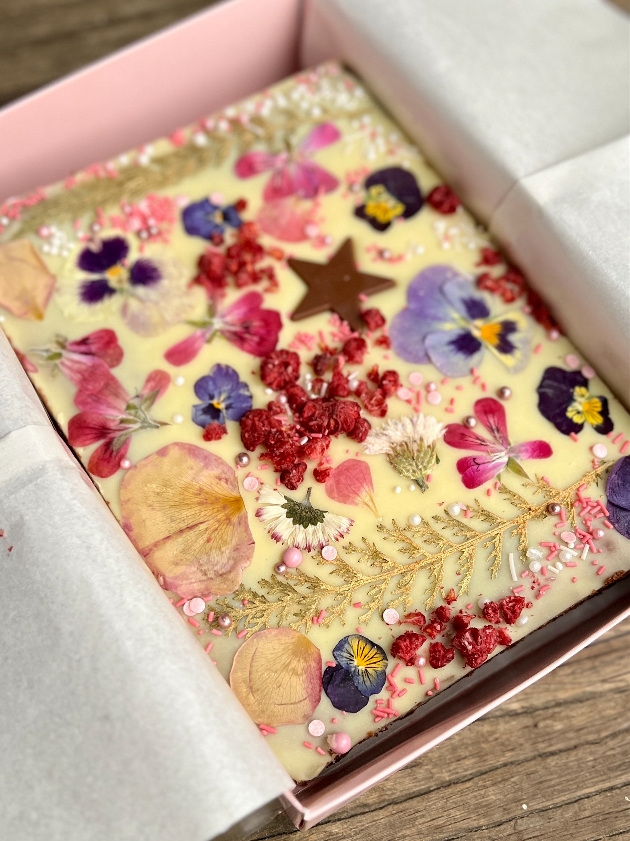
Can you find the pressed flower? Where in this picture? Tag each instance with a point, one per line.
(447, 322)
(351, 483)
(276, 675)
(365, 661)
(495, 454)
(244, 324)
(341, 690)
(225, 396)
(618, 496)
(409, 444)
(208, 220)
(293, 173)
(111, 415)
(391, 194)
(86, 362)
(150, 292)
(287, 219)
(299, 524)
(25, 282)
(564, 399)
(183, 511)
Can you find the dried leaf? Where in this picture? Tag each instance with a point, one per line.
(182, 509)
(25, 283)
(351, 483)
(277, 677)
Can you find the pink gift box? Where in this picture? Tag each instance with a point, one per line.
(150, 89)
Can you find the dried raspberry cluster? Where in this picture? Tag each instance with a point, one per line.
(239, 263)
(475, 644)
(300, 423)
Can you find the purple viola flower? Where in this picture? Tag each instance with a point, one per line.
(391, 194)
(208, 220)
(449, 323)
(338, 685)
(108, 260)
(565, 401)
(224, 396)
(360, 673)
(618, 496)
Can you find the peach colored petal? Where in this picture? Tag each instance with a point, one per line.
(277, 677)
(183, 511)
(25, 282)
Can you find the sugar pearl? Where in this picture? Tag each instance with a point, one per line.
(598, 533)
(588, 372)
(397, 489)
(391, 616)
(470, 421)
(431, 386)
(340, 742)
(316, 727)
(415, 378)
(224, 620)
(242, 459)
(504, 393)
(250, 483)
(599, 450)
(178, 419)
(434, 398)
(412, 487)
(553, 335)
(419, 662)
(522, 620)
(554, 508)
(329, 553)
(179, 380)
(482, 602)
(280, 568)
(565, 556)
(414, 519)
(535, 566)
(453, 509)
(292, 557)
(125, 464)
(572, 361)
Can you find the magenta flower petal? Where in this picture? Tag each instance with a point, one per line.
(185, 351)
(87, 428)
(102, 344)
(285, 219)
(321, 136)
(459, 436)
(110, 400)
(106, 459)
(249, 327)
(86, 372)
(310, 180)
(253, 163)
(531, 449)
(156, 381)
(476, 470)
(280, 185)
(492, 415)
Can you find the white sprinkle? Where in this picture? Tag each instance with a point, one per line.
(269, 391)
(179, 380)
(522, 620)
(316, 728)
(511, 563)
(178, 419)
(453, 509)
(534, 553)
(397, 489)
(535, 566)
(415, 519)
(391, 616)
(585, 552)
(552, 568)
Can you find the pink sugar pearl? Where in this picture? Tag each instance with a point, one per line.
(340, 742)
(292, 557)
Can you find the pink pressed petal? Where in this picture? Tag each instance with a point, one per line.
(87, 428)
(110, 400)
(310, 180)
(459, 436)
(241, 308)
(86, 372)
(156, 381)
(102, 344)
(280, 185)
(285, 219)
(253, 163)
(531, 449)
(492, 415)
(476, 470)
(185, 351)
(257, 334)
(321, 136)
(105, 460)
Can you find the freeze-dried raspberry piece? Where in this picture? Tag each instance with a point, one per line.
(338, 386)
(383, 341)
(297, 398)
(511, 608)
(256, 426)
(461, 621)
(476, 644)
(373, 318)
(315, 449)
(315, 416)
(375, 403)
(489, 257)
(442, 613)
(347, 412)
(443, 199)
(439, 655)
(283, 449)
(451, 596)
(490, 612)
(406, 646)
(293, 476)
(280, 369)
(415, 618)
(503, 638)
(321, 474)
(434, 628)
(389, 383)
(321, 362)
(214, 432)
(354, 350)
(373, 375)
(360, 430)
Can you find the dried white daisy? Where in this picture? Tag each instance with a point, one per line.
(298, 523)
(409, 444)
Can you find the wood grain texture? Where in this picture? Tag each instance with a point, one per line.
(561, 747)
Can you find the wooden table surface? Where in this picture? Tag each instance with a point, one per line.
(552, 764)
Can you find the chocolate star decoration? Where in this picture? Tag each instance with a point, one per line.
(336, 286)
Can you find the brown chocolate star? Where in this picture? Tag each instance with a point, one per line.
(336, 286)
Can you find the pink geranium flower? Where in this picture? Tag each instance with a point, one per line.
(496, 454)
(86, 362)
(292, 172)
(111, 415)
(244, 323)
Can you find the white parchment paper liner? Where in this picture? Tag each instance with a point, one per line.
(114, 725)
(523, 107)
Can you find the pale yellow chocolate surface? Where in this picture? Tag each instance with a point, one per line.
(369, 142)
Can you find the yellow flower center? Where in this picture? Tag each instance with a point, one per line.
(490, 333)
(381, 205)
(584, 408)
(366, 656)
(117, 277)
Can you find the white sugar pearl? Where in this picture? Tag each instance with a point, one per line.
(559, 566)
(522, 620)
(535, 566)
(391, 616)
(453, 509)
(415, 519)
(482, 602)
(179, 380)
(412, 487)
(178, 419)
(397, 489)
(565, 556)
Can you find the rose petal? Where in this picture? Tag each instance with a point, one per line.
(25, 282)
(276, 675)
(182, 509)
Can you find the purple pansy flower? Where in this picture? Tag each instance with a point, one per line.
(618, 496)
(449, 323)
(224, 395)
(108, 259)
(360, 673)
(565, 401)
(392, 193)
(208, 220)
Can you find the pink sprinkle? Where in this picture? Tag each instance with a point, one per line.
(459, 388)
(469, 606)
(409, 680)
(357, 604)
(473, 371)
(573, 436)
(436, 683)
(211, 616)
(208, 648)
(334, 720)
(450, 410)
(545, 587)
(543, 570)
(444, 381)
(267, 728)
(180, 602)
(617, 438)
(362, 297)
(600, 571)
(396, 669)
(489, 492)
(574, 579)
(523, 575)
(429, 477)
(538, 348)
(429, 692)
(547, 543)
(608, 524)
(518, 589)
(583, 487)
(401, 692)
(331, 663)
(545, 480)
(320, 617)
(570, 563)
(245, 602)
(359, 629)
(624, 446)
(421, 675)
(484, 386)
(216, 632)
(241, 634)
(320, 751)
(193, 622)
(308, 745)
(466, 513)
(476, 379)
